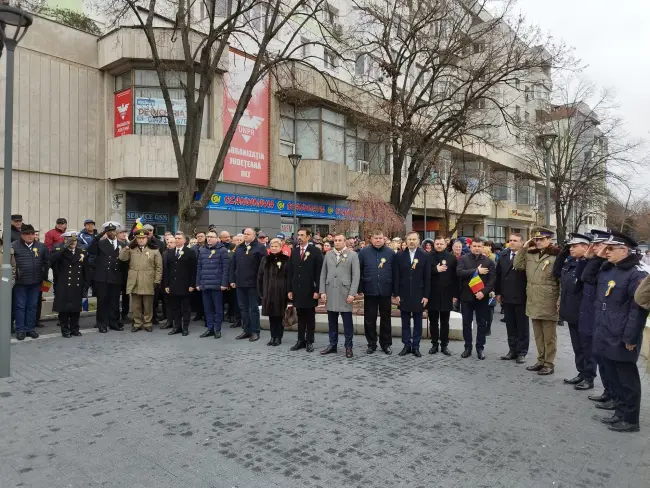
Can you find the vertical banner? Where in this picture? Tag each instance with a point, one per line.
(123, 115)
(247, 159)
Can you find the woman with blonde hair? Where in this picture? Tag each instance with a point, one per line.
(273, 287)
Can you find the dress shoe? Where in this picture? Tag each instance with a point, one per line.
(310, 347)
(348, 352)
(40, 325)
(243, 335)
(174, 331)
(624, 426)
(434, 349)
(148, 329)
(535, 367)
(371, 350)
(76, 333)
(154, 321)
(277, 341)
(33, 334)
(133, 329)
(466, 353)
(298, 345)
(573, 381)
(610, 420)
(113, 327)
(185, 333)
(119, 328)
(165, 325)
(387, 350)
(197, 318)
(510, 356)
(20, 336)
(608, 405)
(585, 384)
(67, 335)
(235, 326)
(545, 371)
(207, 333)
(488, 332)
(521, 359)
(480, 354)
(329, 350)
(252, 338)
(405, 351)
(445, 350)
(599, 398)
(271, 342)
(103, 330)
(217, 335)
(416, 352)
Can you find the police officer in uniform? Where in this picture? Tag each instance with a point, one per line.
(73, 271)
(619, 328)
(108, 277)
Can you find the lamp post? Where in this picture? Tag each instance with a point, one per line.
(545, 141)
(294, 159)
(14, 23)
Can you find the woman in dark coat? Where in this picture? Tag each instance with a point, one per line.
(70, 264)
(445, 287)
(273, 286)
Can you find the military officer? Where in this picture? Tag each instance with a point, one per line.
(619, 327)
(73, 270)
(108, 277)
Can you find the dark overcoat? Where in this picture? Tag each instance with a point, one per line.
(412, 280)
(304, 276)
(73, 272)
(445, 285)
(179, 273)
(510, 283)
(273, 284)
(589, 280)
(569, 271)
(108, 267)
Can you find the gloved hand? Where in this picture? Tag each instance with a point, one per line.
(69, 241)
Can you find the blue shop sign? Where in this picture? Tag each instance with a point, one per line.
(148, 218)
(249, 203)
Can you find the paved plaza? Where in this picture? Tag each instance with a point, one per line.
(151, 411)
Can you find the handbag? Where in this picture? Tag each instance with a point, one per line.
(290, 317)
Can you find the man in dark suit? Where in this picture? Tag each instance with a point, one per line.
(444, 292)
(179, 279)
(510, 288)
(412, 282)
(305, 266)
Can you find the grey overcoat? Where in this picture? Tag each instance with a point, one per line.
(340, 280)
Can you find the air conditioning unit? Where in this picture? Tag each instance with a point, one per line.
(363, 166)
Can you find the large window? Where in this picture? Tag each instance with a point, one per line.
(496, 233)
(526, 192)
(149, 105)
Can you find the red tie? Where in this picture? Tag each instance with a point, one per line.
(302, 253)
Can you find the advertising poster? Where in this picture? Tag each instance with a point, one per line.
(123, 113)
(247, 159)
(154, 111)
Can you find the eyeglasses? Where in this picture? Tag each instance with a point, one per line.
(614, 248)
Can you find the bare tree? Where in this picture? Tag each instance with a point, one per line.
(254, 26)
(369, 210)
(439, 68)
(590, 153)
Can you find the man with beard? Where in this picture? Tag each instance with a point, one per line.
(444, 292)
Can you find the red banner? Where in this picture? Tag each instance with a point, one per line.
(247, 160)
(123, 115)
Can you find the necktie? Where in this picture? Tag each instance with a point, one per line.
(114, 244)
(338, 258)
(178, 253)
(302, 253)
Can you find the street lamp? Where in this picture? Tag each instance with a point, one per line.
(545, 141)
(14, 23)
(294, 159)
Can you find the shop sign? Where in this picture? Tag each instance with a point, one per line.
(154, 111)
(148, 217)
(123, 113)
(520, 214)
(248, 203)
(286, 229)
(247, 160)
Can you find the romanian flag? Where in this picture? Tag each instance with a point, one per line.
(45, 286)
(138, 223)
(476, 284)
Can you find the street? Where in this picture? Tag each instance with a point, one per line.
(148, 410)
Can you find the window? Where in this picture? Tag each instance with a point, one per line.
(527, 93)
(150, 108)
(305, 47)
(517, 113)
(517, 83)
(496, 233)
(526, 116)
(360, 64)
(287, 130)
(123, 81)
(588, 155)
(479, 47)
(399, 25)
(526, 192)
(591, 220)
(257, 17)
(329, 59)
(479, 104)
(330, 15)
(499, 190)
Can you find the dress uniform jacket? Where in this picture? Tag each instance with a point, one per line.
(619, 319)
(145, 269)
(73, 271)
(589, 280)
(412, 281)
(179, 273)
(569, 271)
(304, 276)
(444, 286)
(542, 289)
(340, 280)
(108, 268)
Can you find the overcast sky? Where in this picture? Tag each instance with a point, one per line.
(613, 39)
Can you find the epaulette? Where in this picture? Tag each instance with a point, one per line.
(57, 248)
(643, 267)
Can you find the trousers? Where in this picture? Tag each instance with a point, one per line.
(408, 339)
(108, 304)
(306, 324)
(443, 333)
(545, 332)
(517, 328)
(248, 300)
(626, 383)
(481, 309)
(69, 322)
(604, 377)
(213, 307)
(582, 347)
(333, 328)
(275, 324)
(142, 306)
(25, 305)
(179, 310)
(370, 306)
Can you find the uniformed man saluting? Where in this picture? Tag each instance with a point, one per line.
(70, 262)
(108, 277)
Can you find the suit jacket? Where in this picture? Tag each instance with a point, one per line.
(108, 268)
(340, 280)
(510, 283)
(179, 274)
(412, 281)
(304, 276)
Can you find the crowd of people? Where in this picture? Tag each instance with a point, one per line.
(596, 283)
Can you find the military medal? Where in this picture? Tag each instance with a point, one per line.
(381, 264)
(610, 286)
(415, 262)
